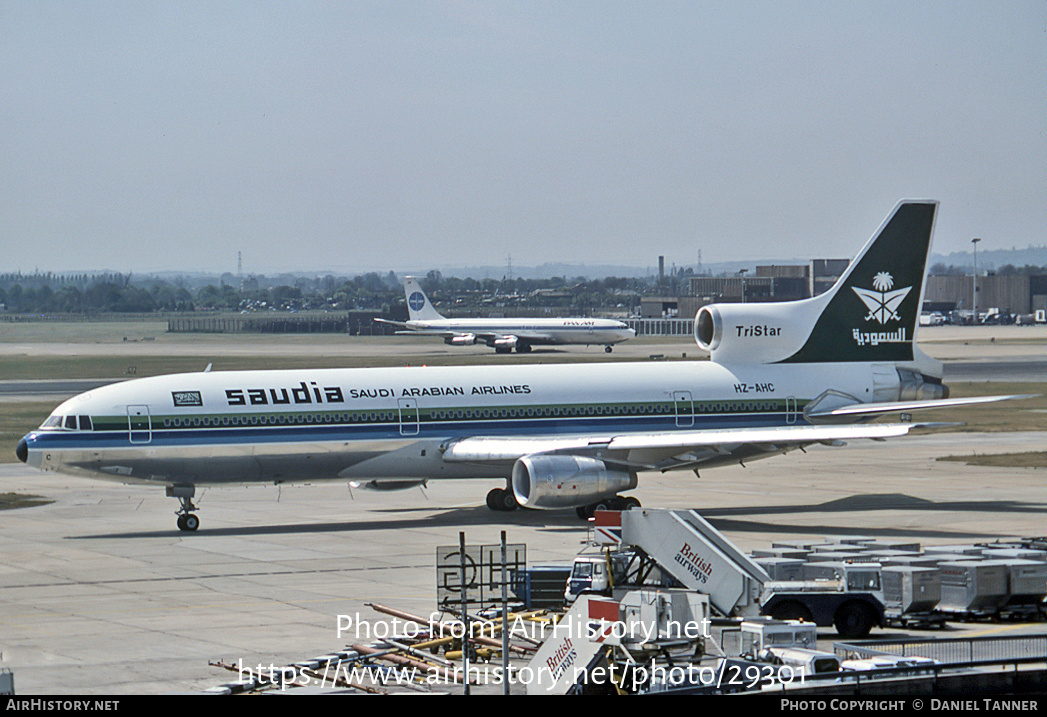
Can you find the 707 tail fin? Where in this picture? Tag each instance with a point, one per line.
(419, 308)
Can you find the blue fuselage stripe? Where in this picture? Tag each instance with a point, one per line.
(426, 430)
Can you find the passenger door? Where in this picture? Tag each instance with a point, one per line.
(408, 416)
(139, 424)
(684, 409)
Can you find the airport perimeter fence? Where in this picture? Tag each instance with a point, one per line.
(80, 318)
(661, 327)
(354, 323)
(952, 651)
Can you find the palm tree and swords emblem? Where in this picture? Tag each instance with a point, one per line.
(880, 300)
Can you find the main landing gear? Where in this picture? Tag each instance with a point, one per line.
(187, 520)
(618, 502)
(502, 499)
(607, 349)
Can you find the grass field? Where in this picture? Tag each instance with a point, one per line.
(1034, 459)
(9, 501)
(1020, 415)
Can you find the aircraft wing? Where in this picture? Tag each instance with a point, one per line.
(406, 330)
(670, 450)
(510, 340)
(426, 332)
(516, 335)
(490, 338)
(389, 321)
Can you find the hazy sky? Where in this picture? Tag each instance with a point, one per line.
(350, 136)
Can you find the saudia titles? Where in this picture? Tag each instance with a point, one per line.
(312, 393)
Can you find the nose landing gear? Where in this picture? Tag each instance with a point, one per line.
(187, 520)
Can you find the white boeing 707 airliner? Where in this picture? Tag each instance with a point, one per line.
(781, 376)
(503, 335)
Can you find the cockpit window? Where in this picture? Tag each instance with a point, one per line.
(70, 423)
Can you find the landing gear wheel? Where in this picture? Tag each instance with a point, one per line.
(607, 349)
(522, 348)
(188, 522)
(493, 499)
(509, 501)
(502, 500)
(617, 502)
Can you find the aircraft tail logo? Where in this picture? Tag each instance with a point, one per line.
(881, 301)
(863, 317)
(418, 305)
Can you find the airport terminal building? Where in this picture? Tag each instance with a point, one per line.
(1017, 294)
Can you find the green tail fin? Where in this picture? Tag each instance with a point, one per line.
(873, 310)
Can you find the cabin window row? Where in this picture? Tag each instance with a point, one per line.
(282, 419)
(438, 415)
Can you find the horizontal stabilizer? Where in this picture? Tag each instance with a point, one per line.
(879, 409)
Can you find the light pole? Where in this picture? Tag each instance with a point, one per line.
(974, 287)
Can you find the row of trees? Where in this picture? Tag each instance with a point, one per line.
(119, 293)
(102, 296)
(122, 293)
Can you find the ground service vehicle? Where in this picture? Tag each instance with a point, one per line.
(679, 544)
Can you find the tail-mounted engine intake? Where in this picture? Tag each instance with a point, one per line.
(549, 482)
(751, 333)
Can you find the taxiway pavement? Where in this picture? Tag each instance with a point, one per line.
(101, 594)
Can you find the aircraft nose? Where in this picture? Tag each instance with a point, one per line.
(22, 451)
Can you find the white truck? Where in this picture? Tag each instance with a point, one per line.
(597, 573)
(654, 544)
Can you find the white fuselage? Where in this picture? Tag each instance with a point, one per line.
(603, 332)
(375, 423)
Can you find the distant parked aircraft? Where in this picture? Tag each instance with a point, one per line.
(503, 335)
